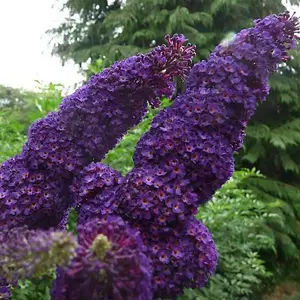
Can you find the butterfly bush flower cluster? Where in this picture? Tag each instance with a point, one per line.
(92, 120)
(137, 235)
(188, 152)
(109, 264)
(88, 124)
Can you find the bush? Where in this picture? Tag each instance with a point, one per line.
(235, 213)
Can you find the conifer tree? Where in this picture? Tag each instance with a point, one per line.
(117, 29)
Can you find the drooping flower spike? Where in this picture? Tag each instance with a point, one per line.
(188, 153)
(92, 120)
(109, 265)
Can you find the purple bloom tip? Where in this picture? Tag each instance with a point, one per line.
(109, 264)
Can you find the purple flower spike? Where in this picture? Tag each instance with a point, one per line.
(109, 265)
(189, 148)
(188, 153)
(92, 120)
(88, 124)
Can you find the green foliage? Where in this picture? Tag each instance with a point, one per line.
(16, 116)
(286, 229)
(95, 29)
(37, 289)
(11, 137)
(82, 30)
(72, 221)
(11, 128)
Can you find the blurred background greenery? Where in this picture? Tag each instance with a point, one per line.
(255, 217)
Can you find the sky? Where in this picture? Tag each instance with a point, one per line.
(25, 54)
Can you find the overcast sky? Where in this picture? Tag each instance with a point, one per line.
(24, 51)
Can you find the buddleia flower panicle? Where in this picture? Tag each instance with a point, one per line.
(188, 152)
(28, 253)
(34, 186)
(92, 120)
(109, 265)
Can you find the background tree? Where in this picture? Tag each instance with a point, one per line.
(117, 29)
(82, 31)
